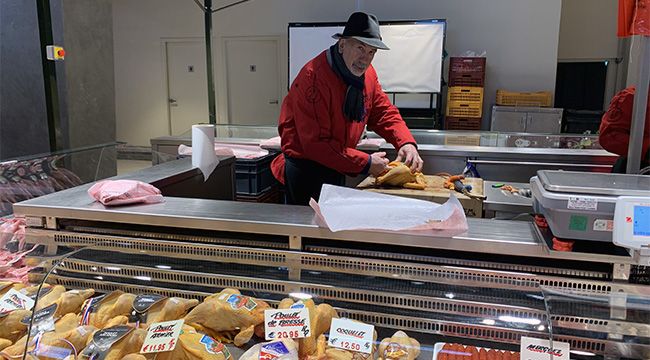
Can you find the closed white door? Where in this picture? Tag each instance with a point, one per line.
(252, 81)
(187, 85)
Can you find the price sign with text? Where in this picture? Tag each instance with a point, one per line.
(286, 324)
(540, 349)
(14, 300)
(162, 336)
(351, 335)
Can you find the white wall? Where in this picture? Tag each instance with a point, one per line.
(140, 88)
(520, 37)
(588, 30)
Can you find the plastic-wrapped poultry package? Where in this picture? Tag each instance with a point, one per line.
(229, 317)
(320, 318)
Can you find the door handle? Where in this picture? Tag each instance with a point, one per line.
(273, 102)
(172, 102)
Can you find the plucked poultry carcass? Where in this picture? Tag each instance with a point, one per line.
(5, 286)
(160, 309)
(400, 175)
(48, 296)
(101, 311)
(63, 314)
(11, 327)
(129, 341)
(71, 301)
(399, 347)
(193, 345)
(226, 313)
(61, 326)
(320, 318)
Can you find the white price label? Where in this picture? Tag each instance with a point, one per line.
(286, 324)
(15, 300)
(162, 336)
(582, 203)
(540, 349)
(351, 335)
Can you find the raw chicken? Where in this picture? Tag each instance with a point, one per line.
(226, 312)
(400, 175)
(320, 318)
(193, 345)
(117, 303)
(399, 347)
(168, 309)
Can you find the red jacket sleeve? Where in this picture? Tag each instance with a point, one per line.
(313, 122)
(386, 121)
(615, 126)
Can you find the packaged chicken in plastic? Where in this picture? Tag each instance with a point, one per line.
(153, 308)
(5, 286)
(46, 329)
(11, 327)
(99, 310)
(229, 316)
(60, 316)
(114, 343)
(284, 349)
(193, 345)
(320, 318)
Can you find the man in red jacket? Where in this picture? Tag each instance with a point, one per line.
(324, 114)
(615, 128)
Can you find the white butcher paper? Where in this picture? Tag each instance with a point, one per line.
(203, 156)
(349, 209)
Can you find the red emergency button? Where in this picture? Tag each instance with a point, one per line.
(60, 52)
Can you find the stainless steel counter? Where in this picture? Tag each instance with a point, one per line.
(493, 162)
(448, 285)
(487, 236)
(499, 201)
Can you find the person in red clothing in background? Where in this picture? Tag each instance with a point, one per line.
(326, 110)
(615, 129)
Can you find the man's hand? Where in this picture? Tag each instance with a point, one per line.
(408, 154)
(378, 163)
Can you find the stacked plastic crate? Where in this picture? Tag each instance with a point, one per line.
(465, 93)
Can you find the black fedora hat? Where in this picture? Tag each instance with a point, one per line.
(365, 28)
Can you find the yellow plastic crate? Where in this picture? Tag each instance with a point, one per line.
(467, 140)
(511, 98)
(465, 109)
(465, 93)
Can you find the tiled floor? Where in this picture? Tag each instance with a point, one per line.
(127, 166)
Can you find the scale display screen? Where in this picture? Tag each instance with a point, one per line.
(641, 221)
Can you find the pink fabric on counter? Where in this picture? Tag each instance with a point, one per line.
(238, 151)
(274, 142)
(123, 192)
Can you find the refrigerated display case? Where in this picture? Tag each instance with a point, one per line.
(487, 287)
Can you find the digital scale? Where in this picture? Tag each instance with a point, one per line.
(612, 208)
(632, 222)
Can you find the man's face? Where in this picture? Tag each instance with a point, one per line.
(357, 55)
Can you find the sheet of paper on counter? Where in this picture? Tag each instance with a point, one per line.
(343, 208)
